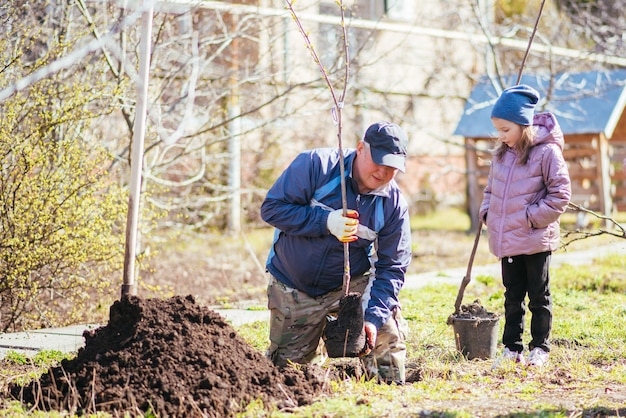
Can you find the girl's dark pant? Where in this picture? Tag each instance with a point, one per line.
(522, 275)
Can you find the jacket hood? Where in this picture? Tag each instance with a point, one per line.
(547, 130)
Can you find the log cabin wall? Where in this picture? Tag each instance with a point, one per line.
(617, 155)
(478, 160)
(583, 161)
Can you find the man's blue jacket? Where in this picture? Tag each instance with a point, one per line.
(307, 257)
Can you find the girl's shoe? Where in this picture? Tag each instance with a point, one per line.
(537, 357)
(509, 356)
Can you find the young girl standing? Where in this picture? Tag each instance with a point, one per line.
(528, 189)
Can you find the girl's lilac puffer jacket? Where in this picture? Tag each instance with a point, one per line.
(522, 204)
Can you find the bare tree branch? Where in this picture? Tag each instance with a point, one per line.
(616, 230)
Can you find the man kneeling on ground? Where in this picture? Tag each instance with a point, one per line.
(306, 262)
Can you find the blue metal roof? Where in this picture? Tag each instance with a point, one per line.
(584, 103)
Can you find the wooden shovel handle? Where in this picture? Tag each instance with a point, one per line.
(468, 273)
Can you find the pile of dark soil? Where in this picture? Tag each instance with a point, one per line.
(172, 357)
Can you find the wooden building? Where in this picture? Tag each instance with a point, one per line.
(590, 109)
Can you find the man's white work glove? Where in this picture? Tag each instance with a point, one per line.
(343, 227)
(370, 338)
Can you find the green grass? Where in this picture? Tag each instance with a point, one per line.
(588, 355)
(34, 365)
(445, 219)
(41, 358)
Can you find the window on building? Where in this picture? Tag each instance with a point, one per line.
(400, 9)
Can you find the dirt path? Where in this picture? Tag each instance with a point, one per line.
(559, 258)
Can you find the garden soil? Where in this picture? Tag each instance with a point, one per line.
(472, 311)
(174, 358)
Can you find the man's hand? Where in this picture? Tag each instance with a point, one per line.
(370, 338)
(343, 227)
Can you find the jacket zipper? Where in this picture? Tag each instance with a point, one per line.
(505, 196)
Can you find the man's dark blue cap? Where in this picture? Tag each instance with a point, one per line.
(388, 144)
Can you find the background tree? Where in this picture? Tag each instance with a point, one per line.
(61, 215)
(600, 22)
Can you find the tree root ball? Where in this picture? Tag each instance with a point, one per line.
(344, 336)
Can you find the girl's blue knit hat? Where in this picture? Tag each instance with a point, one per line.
(516, 104)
